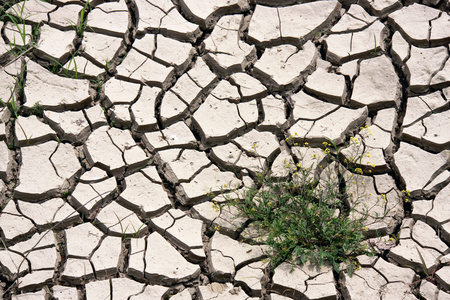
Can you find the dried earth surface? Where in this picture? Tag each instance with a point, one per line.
(123, 122)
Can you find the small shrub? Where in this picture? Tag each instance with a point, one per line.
(309, 214)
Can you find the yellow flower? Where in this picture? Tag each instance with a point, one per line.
(217, 227)
(406, 200)
(407, 192)
(359, 170)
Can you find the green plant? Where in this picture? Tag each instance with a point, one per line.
(374, 53)
(18, 19)
(123, 230)
(16, 15)
(11, 104)
(81, 25)
(74, 68)
(37, 109)
(71, 71)
(428, 276)
(99, 82)
(310, 214)
(14, 107)
(108, 65)
(424, 265)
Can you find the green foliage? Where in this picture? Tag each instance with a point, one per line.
(70, 71)
(374, 53)
(427, 275)
(124, 230)
(18, 19)
(81, 25)
(424, 265)
(11, 104)
(17, 16)
(308, 215)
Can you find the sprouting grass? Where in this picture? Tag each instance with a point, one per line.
(81, 25)
(124, 230)
(17, 17)
(70, 71)
(374, 53)
(13, 104)
(309, 215)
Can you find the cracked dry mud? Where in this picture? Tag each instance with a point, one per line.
(123, 130)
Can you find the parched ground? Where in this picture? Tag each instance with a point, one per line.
(122, 122)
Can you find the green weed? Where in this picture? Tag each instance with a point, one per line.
(108, 64)
(374, 53)
(428, 276)
(81, 25)
(309, 215)
(11, 103)
(14, 107)
(123, 230)
(17, 17)
(71, 71)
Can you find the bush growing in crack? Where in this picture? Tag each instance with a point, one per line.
(314, 213)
